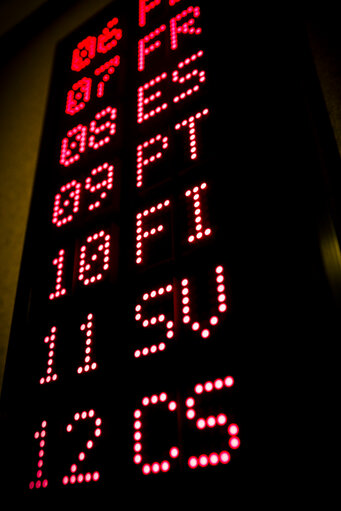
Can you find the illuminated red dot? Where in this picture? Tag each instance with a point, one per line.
(213, 459)
(190, 414)
(224, 457)
(174, 452)
(201, 424)
(199, 388)
(211, 421)
(203, 460)
(172, 406)
(137, 459)
(234, 442)
(193, 462)
(221, 419)
(229, 381)
(146, 469)
(218, 384)
(233, 429)
(155, 468)
(165, 466)
(137, 447)
(190, 402)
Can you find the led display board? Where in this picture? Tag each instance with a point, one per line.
(132, 370)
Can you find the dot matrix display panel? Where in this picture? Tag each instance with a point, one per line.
(131, 364)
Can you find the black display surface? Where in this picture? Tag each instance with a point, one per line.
(151, 337)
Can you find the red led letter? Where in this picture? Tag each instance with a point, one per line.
(139, 427)
(108, 68)
(75, 476)
(212, 421)
(144, 8)
(221, 299)
(143, 50)
(106, 183)
(63, 209)
(144, 234)
(78, 96)
(40, 435)
(186, 28)
(87, 329)
(83, 54)
(59, 262)
(155, 321)
(142, 161)
(94, 258)
(199, 75)
(142, 100)
(191, 124)
(50, 375)
(71, 150)
(108, 125)
(109, 37)
(200, 230)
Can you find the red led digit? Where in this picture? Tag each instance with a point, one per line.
(201, 230)
(83, 54)
(191, 125)
(142, 160)
(51, 375)
(212, 421)
(185, 28)
(66, 203)
(173, 2)
(198, 75)
(87, 330)
(108, 125)
(187, 319)
(144, 8)
(75, 476)
(59, 262)
(107, 70)
(142, 101)
(73, 145)
(94, 258)
(158, 319)
(40, 480)
(144, 234)
(144, 50)
(158, 466)
(100, 187)
(109, 37)
(78, 96)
